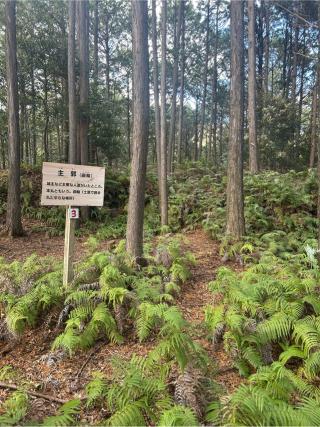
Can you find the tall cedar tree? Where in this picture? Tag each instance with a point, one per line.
(172, 130)
(235, 210)
(14, 225)
(84, 88)
(72, 84)
(252, 88)
(205, 82)
(163, 139)
(156, 85)
(140, 127)
(183, 60)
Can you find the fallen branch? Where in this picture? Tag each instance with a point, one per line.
(33, 393)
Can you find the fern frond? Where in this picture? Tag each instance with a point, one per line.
(96, 389)
(65, 416)
(14, 408)
(178, 415)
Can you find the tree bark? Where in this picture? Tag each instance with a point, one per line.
(235, 209)
(163, 144)
(172, 131)
(134, 234)
(314, 116)
(205, 81)
(156, 88)
(180, 123)
(84, 79)
(214, 101)
(252, 89)
(266, 47)
(84, 89)
(13, 221)
(107, 47)
(72, 85)
(196, 131)
(33, 117)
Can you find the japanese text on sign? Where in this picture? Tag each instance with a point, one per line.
(76, 185)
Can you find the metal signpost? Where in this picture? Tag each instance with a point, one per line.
(71, 185)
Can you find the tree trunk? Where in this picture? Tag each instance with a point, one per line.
(196, 124)
(92, 147)
(172, 131)
(284, 65)
(156, 87)
(302, 76)
(252, 89)
(314, 116)
(107, 54)
(235, 209)
(84, 79)
(140, 127)
(180, 123)
(214, 101)
(33, 117)
(95, 42)
(205, 81)
(294, 74)
(266, 46)
(46, 115)
(72, 85)
(84, 88)
(163, 144)
(128, 118)
(13, 223)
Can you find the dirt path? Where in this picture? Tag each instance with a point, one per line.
(57, 375)
(196, 296)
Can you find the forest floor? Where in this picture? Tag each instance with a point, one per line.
(65, 377)
(41, 244)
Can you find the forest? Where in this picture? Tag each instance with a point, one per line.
(187, 292)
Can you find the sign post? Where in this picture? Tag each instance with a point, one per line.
(68, 248)
(71, 185)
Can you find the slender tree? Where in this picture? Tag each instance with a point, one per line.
(314, 115)
(156, 85)
(13, 223)
(252, 89)
(163, 139)
(266, 47)
(205, 81)
(235, 209)
(182, 78)
(140, 127)
(107, 50)
(172, 130)
(72, 85)
(214, 102)
(84, 80)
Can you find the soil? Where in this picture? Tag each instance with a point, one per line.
(65, 377)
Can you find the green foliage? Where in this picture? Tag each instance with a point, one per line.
(271, 330)
(97, 388)
(24, 311)
(14, 408)
(65, 416)
(178, 416)
(138, 392)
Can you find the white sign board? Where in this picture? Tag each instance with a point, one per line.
(72, 185)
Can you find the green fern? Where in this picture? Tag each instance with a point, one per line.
(14, 408)
(178, 415)
(96, 389)
(66, 415)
